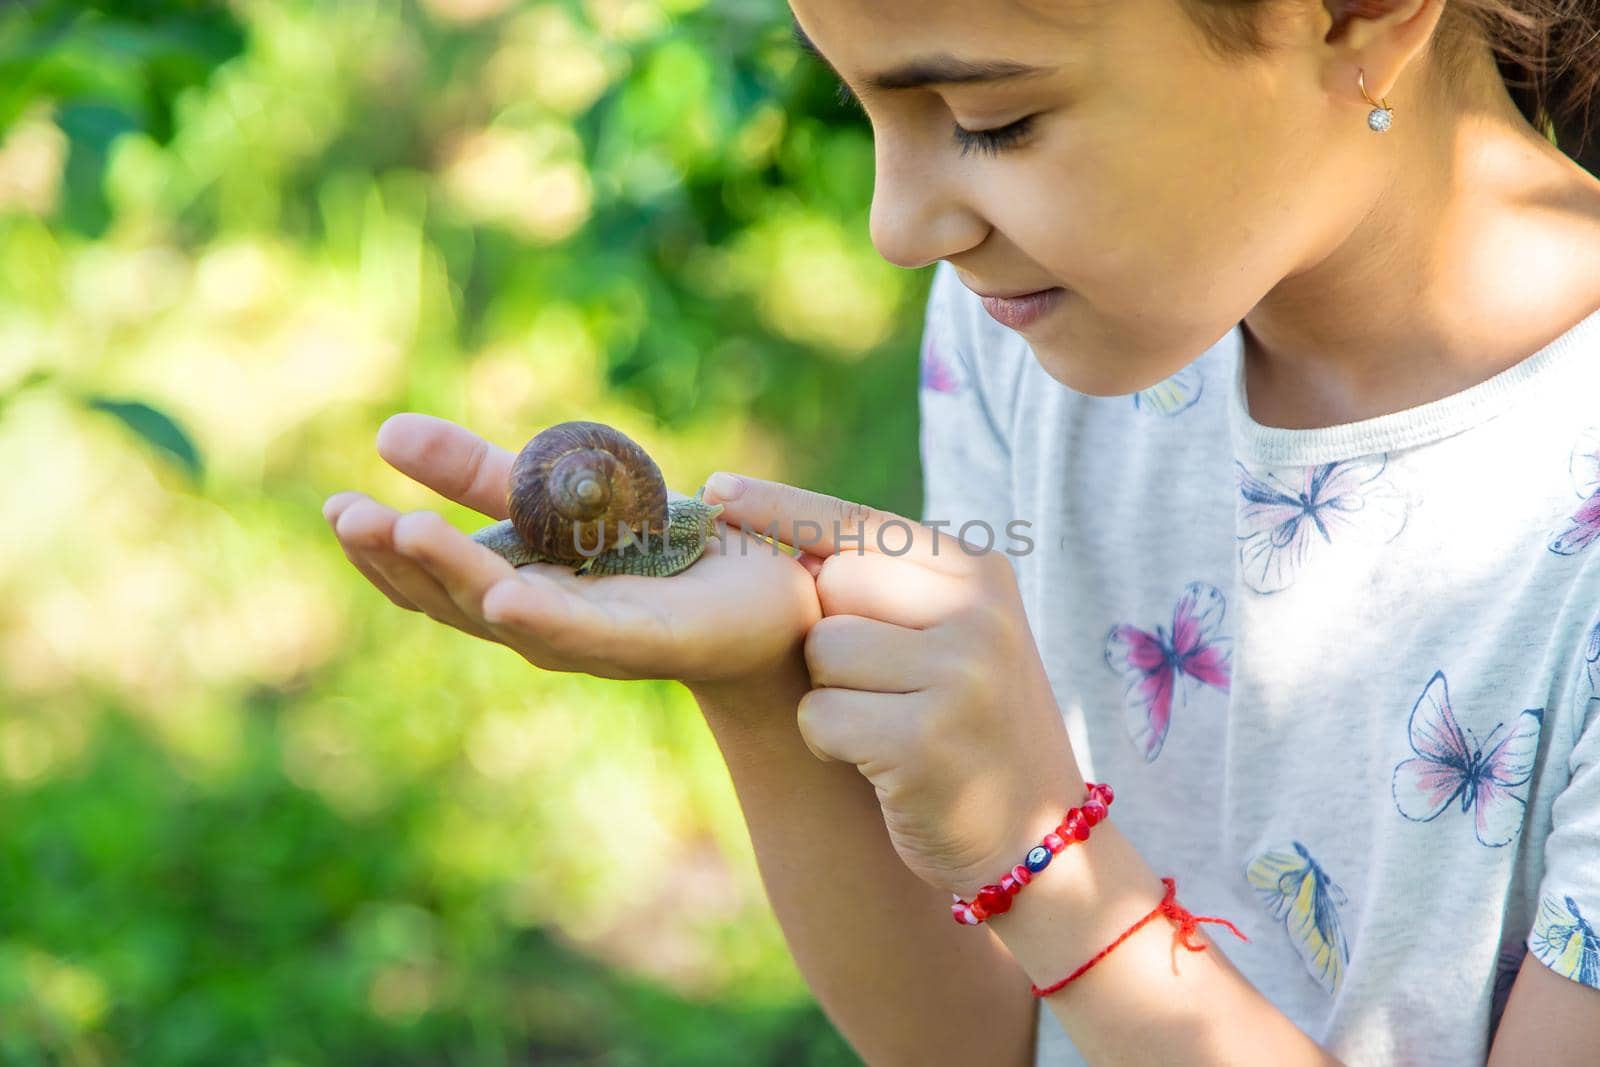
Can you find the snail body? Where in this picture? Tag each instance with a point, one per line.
(586, 495)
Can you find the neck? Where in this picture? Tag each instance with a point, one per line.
(1481, 246)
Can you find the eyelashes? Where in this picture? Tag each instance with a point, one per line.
(988, 142)
(995, 141)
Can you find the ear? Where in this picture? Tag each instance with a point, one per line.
(1378, 37)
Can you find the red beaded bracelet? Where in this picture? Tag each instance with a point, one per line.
(1187, 922)
(995, 899)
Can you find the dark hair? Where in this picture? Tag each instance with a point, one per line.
(1548, 52)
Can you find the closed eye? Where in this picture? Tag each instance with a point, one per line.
(996, 140)
(992, 142)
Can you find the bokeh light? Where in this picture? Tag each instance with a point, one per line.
(253, 811)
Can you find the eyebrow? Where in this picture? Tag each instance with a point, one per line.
(933, 70)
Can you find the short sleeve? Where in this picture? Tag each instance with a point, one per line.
(1566, 925)
(966, 460)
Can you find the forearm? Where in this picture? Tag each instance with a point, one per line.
(1151, 1001)
(903, 983)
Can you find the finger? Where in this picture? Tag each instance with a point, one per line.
(336, 506)
(854, 727)
(368, 528)
(463, 569)
(812, 564)
(888, 589)
(610, 627)
(449, 459)
(825, 525)
(850, 652)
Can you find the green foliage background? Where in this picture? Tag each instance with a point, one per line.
(250, 812)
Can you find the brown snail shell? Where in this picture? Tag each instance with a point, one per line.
(581, 488)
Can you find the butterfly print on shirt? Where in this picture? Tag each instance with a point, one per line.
(1174, 396)
(1299, 892)
(1451, 763)
(1156, 666)
(1566, 942)
(1584, 524)
(1284, 512)
(935, 373)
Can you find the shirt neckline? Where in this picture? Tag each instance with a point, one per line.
(1437, 419)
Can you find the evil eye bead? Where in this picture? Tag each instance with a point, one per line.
(1038, 859)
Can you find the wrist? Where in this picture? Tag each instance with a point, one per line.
(1073, 907)
(1068, 790)
(749, 697)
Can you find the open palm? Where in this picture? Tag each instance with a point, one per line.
(741, 610)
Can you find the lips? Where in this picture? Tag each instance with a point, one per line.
(1015, 294)
(1022, 310)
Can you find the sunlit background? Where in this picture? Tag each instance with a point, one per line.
(251, 812)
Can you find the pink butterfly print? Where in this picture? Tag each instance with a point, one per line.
(1282, 520)
(1585, 522)
(1451, 763)
(1157, 665)
(937, 375)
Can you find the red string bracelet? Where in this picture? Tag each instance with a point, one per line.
(1187, 921)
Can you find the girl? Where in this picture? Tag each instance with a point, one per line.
(1272, 327)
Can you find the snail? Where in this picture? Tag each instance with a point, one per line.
(586, 495)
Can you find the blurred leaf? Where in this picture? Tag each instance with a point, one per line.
(155, 428)
(90, 129)
(250, 813)
(137, 56)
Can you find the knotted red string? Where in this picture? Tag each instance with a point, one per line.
(1187, 921)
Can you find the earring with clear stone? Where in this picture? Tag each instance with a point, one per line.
(1381, 117)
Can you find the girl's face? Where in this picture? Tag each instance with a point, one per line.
(1164, 188)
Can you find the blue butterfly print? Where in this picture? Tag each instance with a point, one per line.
(1298, 891)
(1174, 396)
(1452, 763)
(1281, 518)
(1566, 942)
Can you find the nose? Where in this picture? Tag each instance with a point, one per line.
(920, 213)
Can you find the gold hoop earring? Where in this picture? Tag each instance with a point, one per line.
(1381, 117)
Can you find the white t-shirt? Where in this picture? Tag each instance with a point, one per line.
(1342, 680)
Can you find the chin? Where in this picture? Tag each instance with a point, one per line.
(1090, 376)
(1119, 365)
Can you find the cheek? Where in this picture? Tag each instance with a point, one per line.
(1203, 206)
(1165, 247)
(1172, 170)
